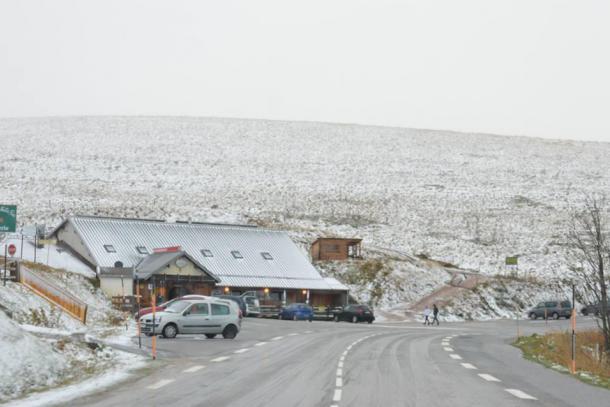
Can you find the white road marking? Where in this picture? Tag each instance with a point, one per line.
(340, 364)
(447, 349)
(277, 338)
(260, 343)
(342, 358)
(308, 332)
(193, 369)
(243, 350)
(339, 372)
(221, 359)
(339, 382)
(293, 334)
(488, 377)
(445, 343)
(337, 395)
(469, 366)
(520, 394)
(454, 356)
(160, 384)
(349, 347)
(344, 353)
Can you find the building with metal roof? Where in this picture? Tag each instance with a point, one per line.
(239, 257)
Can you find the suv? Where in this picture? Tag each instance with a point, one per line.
(211, 317)
(253, 306)
(355, 313)
(551, 309)
(243, 307)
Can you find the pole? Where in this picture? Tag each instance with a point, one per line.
(138, 314)
(35, 240)
(154, 336)
(5, 254)
(21, 251)
(573, 366)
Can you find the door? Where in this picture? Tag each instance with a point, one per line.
(220, 316)
(196, 319)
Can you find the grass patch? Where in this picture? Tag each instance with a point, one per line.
(554, 350)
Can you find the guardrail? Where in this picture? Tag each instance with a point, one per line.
(54, 294)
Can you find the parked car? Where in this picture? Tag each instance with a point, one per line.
(253, 306)
(243, 307)
(162, 306)
(296, 311)
(355, 313)
(211, 317)
(594, 309)
(551, 309)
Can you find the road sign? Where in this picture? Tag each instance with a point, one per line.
(8, 218)
(512, 261)
(12, 249)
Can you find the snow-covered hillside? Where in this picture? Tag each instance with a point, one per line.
(468, 199)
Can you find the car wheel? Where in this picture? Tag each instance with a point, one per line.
(354, 319)
(210, 336)
(533, 315)
(336, 318)
(230, 332)
(170, 331)
(555, 315)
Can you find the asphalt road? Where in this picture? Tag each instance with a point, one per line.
(287, 363)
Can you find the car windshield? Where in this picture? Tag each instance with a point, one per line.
(177, 306)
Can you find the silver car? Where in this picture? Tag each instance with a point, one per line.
(212, 316)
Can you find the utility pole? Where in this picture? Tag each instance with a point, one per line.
(573, 365)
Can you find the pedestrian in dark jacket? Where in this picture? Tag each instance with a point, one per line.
(435, 313)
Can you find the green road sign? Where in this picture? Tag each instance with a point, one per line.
(511, 261)
(8, 218)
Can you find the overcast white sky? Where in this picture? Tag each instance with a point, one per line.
(527, 67)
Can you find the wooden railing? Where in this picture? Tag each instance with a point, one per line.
(54, 294)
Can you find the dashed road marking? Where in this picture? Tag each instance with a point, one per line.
(520, 394)
(454, 356)
(340, 364)
(337, 395)
(277, 338)
(160, 384)
(293, 334)
(448, 349)
(468, 366)
(193, 369)
(242, 350)
(308, 332)
(339, 382)
(344, 353)
(260, 344)
(488, 377)
(221, 359)
(339, 372)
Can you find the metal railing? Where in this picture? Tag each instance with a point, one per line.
(54, 294)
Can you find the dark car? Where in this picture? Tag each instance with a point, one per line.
(594, 309)
(239, 300)
(296, 311)
(551, 309)
(355, 313)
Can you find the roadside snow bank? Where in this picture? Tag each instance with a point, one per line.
(28, 363)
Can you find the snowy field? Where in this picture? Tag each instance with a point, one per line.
(468, 199)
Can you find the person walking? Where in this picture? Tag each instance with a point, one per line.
(427, 315)
(435, 314)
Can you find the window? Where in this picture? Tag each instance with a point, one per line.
(267, 256)
(142, 250)
(237, 254)
(218, 309)
(109, 248)
(332, 248)
(207, 253)
(199, 309)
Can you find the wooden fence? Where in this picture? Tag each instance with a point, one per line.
(54, 294)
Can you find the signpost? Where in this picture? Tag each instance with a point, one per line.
(8, 218)
(512, 264)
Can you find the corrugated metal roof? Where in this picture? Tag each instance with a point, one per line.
(288, 269)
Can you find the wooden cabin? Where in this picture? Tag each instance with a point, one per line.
(326, 248)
